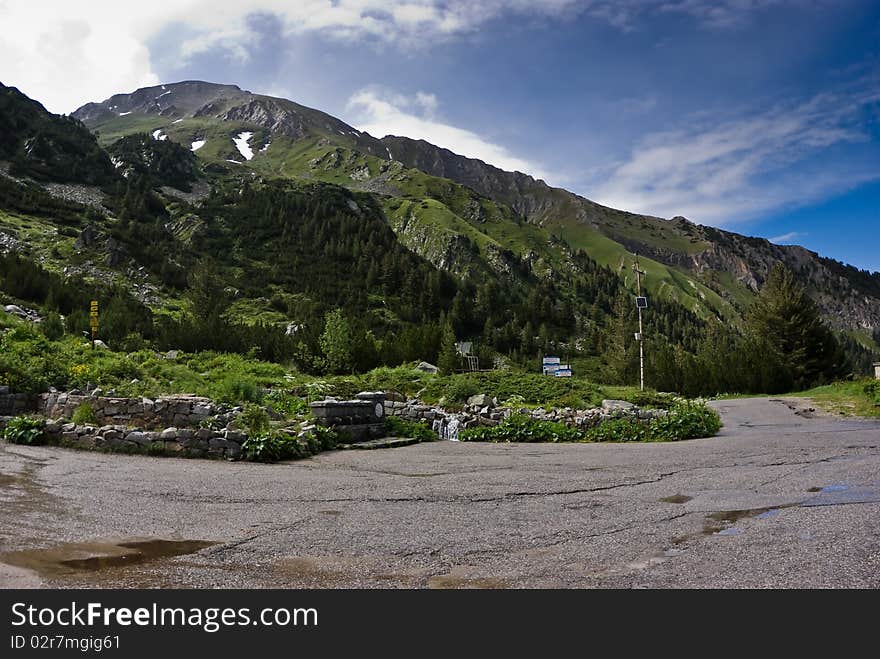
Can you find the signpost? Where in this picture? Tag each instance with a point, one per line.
(550, 365)
(641, 303)
(93, 321)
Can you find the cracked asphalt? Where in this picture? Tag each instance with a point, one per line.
(779, 499)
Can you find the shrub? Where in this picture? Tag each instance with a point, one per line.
(52, 326)
(264, 447)
(254, 419)
(686, 420)
(872, 390)
(79, 374)
(235, 389)
(327, 438)
(459, 389)
(274, 445)
(317, 389)
(285, 404)
(619, 430)
(402, 428)
(522, 428)
(84, 415)
(24, 430)
(28, 361)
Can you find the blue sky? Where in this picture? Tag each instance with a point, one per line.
(762, 117)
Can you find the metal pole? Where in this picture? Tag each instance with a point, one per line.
(641, 336)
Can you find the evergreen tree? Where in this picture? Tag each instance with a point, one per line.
(449, 360)
(788, 322)
(52, 326)
(207, 297)
(622, 349)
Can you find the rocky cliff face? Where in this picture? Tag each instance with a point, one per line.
(173, 100)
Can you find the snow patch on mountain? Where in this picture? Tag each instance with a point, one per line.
(241, 143)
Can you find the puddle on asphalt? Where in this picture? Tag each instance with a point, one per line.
(96, 556)
(722, 522)
(676, 498)
(729, 531)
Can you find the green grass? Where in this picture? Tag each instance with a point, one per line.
(661, 280)
(51, 244)
(112, 129)
(856, 398)
(654, 231)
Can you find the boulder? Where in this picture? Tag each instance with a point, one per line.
(480, 400)
(137, 437)
(425, 367)
(169, 434)
(234, 436)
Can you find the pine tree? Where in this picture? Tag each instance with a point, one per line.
(449, 360)
(622, 349)
(207, 297)
(789, 322)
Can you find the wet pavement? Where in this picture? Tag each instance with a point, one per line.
(783, 497)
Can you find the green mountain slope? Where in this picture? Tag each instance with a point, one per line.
(290, 213)
(712, 273)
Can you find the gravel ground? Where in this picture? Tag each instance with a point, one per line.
(781, 498)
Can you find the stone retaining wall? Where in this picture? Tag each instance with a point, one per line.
(186, 442)
(177, 411)
(15, 404)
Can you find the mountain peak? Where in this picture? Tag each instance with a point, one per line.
(176, 100)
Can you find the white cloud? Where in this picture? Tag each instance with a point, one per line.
(428, 102)
(66, 53)
(724, 172)
(787, 238)
(383, 113)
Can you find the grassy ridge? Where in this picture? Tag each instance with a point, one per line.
(856, 398)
